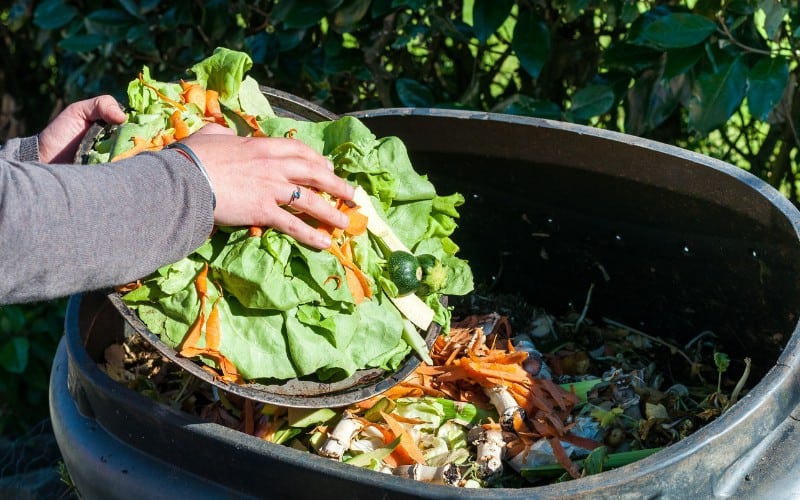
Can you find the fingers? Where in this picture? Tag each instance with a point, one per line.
(300, 164)
(108, 110)
(256, 179)
(59, 141)
(305, 200)
(102, 108)
(293, 226)
(215, 128)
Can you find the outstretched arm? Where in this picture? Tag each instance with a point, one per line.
(67, 228)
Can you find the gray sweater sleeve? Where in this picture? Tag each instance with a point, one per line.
(71, 228)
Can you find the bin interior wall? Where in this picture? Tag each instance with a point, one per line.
(669, 246)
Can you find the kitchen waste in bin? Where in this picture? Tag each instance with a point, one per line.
(513, 398)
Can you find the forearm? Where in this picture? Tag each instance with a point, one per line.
(68, 228)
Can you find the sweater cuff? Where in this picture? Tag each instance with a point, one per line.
(29, 148)
(21, 149)
(204, 203)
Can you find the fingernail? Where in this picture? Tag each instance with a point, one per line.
(344, 220)
(330, 163)
(324, 240)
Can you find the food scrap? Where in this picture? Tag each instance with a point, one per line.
(490, 410)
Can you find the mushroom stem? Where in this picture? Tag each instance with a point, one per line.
(506, 406)
(490, 445)
(339, 440)
(446, 474)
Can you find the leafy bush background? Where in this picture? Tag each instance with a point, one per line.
(711, 76)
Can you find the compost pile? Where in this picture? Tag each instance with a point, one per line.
(515, 397)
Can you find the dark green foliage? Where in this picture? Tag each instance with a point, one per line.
(708, 78)
(714, 78)
(28, 337)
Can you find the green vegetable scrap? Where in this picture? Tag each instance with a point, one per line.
(280, 315)
(404, 271)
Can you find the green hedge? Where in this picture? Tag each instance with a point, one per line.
(28, 338)
(718, 77)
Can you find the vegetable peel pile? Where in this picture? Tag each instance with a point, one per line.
(253, 304)
(483, 414)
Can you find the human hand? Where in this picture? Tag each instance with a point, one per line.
(59, 141)
(255, 177)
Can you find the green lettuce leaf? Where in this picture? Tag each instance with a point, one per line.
(223, 71)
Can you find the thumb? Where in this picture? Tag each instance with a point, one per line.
(104, 108)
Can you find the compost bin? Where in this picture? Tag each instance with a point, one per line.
(672, 242)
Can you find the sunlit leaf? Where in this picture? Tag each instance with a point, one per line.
(349, 14)
(488, 16)
(766, 83)
(770, 15)
(715, 96)
(591, 101)
(678, 30)
(14, 354)
(413, 94)
(531, 42)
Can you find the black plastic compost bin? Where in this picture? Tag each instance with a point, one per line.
(674, 243)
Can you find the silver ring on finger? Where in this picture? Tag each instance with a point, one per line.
(295, 196)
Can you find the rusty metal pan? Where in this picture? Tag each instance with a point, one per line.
(298, 393)
(294, 392)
